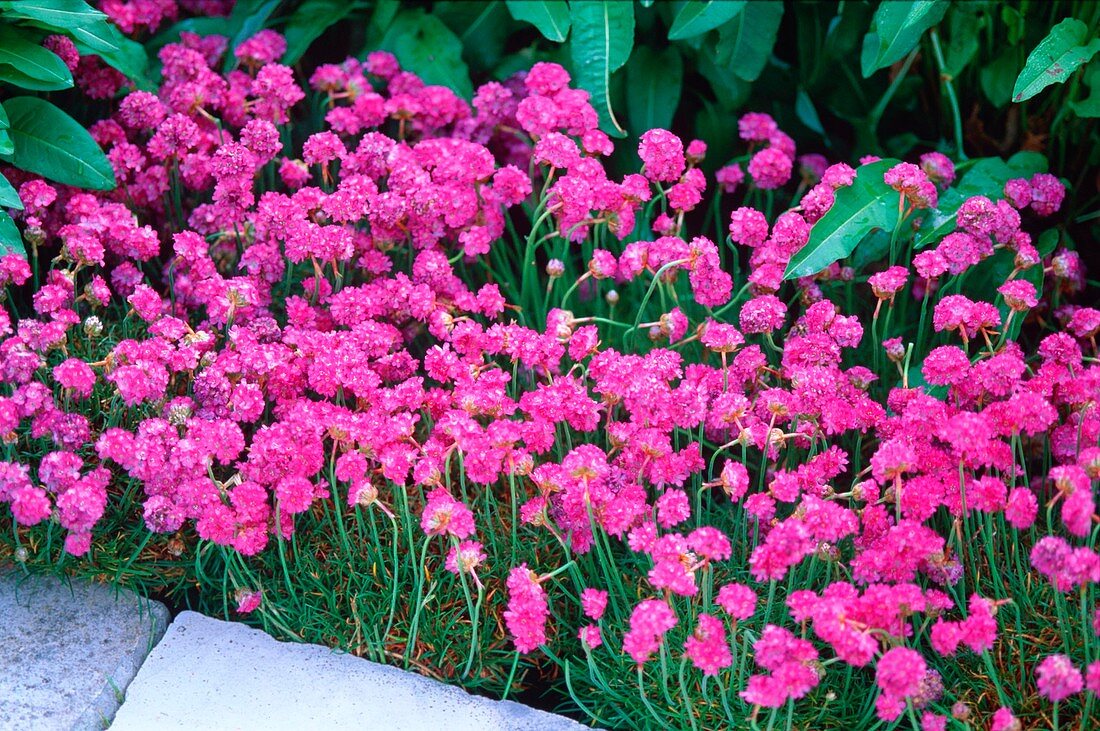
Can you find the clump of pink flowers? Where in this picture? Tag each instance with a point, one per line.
(645, 448)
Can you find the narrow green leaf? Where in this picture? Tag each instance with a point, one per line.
(1057, 56)
(551, 17)
(310, 20)
(603, 37)
(698, 16)
(43, 70)
(867, 204)
(10, 239)
(8, 197)
(427, 47)
(746, 42)
(899, 26)
(653, 82)
(52, 144)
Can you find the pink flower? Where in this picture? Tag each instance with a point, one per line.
(770, 168)
(594, 602)
(649, 622)
(738, 600)
(1057, 678)
(527, 610)
(899, 672)
(445, 516)
(248, 601)
(707, 647)
(662, 155)
(464, 557)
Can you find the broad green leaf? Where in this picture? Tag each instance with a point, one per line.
(807, 113)
(998, 76)
(603, 37)
(117, 51)
(309, 21)
(52, 144)
(90, 31)
(10, 239)
(698, 16)
(745, 43)
(986, 176)
(1062, 52)
(61, 15)
(43, 70)
(551, 17)
(427, 47)
(867, 204)
(898, 26)
(483, 28)
(731, 91)
(8, 197)
(1047, 242)
(962, 40)
(1090, 107)
(653, 82)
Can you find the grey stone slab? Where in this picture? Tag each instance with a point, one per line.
(210, 674)
(68, 650)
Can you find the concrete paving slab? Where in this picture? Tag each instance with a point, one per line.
(68, 650)
(210, 674)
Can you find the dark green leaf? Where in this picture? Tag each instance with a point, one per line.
(745, 43)
(730, 91)
(653, 82)
(52, 144)
(962, 40)
(309, 21)
(427, 47)
(551, 17)
(998, 76)
(807, 113)
(1090, 107)
(43, 70)
(867, 204)
(898, 26)
(1048, 242)
(8, 197)
(483, 28)
(698, 16)
(6, 146)
(603, 37)
(117, 51)
(1062, 52)
(10, 240)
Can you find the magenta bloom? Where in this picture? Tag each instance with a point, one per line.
(527, 610)
(707, 648)
(445, 516)
(1057, 678)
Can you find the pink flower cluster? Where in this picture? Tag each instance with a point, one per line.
(308, 329)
